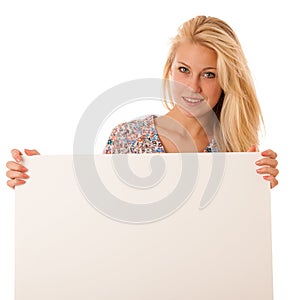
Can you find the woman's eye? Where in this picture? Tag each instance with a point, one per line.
(183, 69)
(208, 75)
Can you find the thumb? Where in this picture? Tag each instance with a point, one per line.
(31, 152)
(252, 148)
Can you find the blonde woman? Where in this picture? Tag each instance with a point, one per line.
(212, 103)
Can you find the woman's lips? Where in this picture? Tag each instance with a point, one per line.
(192, 101)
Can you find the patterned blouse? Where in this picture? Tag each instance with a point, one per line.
(140, 136)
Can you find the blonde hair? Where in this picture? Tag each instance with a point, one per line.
(238, 109)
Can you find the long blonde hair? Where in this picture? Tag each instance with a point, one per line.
(238, 109)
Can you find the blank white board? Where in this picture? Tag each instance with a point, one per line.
(213, 243)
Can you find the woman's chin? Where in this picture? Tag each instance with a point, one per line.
(195, 111)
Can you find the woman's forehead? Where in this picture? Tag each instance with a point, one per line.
(195, 55)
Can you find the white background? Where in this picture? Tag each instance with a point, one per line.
(56, 57)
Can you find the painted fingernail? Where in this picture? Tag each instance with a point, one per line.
(25, 175)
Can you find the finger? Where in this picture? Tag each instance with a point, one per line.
(14, 182)
(31, 152)
(15, 166)
(272, 179)
(267, 162)
(268, 170)
(16, 154)
(16, 175)
(252, 148)
(270, 153)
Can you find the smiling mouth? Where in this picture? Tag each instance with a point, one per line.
(193, 100)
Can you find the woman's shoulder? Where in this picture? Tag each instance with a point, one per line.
(135, 136)
(136, 127)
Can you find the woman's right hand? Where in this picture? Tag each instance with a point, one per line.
(17, 172)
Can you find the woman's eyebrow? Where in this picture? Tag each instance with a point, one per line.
(181, 62)
(206, 68)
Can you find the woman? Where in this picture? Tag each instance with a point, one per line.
(213, 103)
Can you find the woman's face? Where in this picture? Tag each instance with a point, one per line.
(195, 84)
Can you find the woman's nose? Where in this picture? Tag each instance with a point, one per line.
(194, 84)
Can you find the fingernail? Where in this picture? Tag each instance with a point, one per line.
(24, 169)
(258, 162)
(25, 175)
(258, 170)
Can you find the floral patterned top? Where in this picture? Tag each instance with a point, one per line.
(140, 136)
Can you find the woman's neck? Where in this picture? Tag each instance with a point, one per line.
(196, 127)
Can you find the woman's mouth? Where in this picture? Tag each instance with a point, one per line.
(192, 101)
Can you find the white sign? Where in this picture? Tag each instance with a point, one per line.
(150, 226)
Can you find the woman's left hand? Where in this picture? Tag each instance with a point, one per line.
(268, 166)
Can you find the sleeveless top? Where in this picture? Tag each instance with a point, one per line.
(140, 136)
